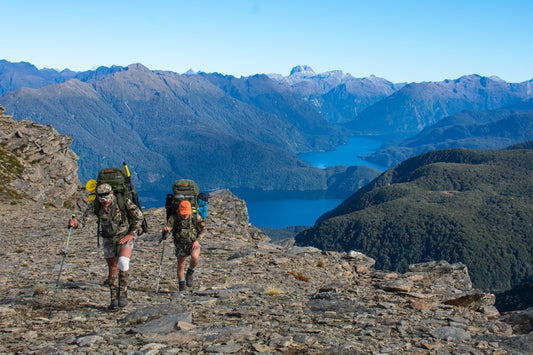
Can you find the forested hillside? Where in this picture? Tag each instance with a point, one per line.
(457, 205)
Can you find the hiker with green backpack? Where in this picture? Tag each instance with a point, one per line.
(120, 220)
(187, 227)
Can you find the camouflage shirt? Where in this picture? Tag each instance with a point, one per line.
(186, 230)
(114, 222)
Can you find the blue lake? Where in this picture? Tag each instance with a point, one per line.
(281, 210)
(347, 154)
(280, 213)
(284, 213)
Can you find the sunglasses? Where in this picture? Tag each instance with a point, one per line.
(105, 197)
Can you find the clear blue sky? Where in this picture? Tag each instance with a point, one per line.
(400, 40)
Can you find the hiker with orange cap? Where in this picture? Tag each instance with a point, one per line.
(186, 227)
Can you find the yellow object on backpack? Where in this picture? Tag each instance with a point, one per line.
(91, 187)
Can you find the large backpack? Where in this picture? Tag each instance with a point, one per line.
(182, 189)
(120, 182)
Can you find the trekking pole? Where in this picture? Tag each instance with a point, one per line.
(60, 269)
(164, 239)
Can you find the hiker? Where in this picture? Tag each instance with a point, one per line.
(118, 229)
(186, 229)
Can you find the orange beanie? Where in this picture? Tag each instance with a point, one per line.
(185, 207)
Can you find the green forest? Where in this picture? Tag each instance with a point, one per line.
(458, 205)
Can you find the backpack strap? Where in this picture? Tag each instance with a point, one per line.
(98, 232)
(177, 229)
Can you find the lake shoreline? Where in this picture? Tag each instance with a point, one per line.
(281, 209)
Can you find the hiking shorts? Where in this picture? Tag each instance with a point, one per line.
(109, 248)
(182, 250)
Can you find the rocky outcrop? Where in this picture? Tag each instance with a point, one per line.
(37, 161)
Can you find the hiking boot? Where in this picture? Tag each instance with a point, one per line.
(189, 277)
(113, 305)
(123, 299)
(124, 277)
(182, 287)
(113, 289)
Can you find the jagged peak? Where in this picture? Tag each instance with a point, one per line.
(23, 64)
(479, 77)
(303, 70)
(276, 76)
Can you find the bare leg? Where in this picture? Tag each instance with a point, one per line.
(195, 255)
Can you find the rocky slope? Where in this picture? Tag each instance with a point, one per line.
(36, 162)
(251, 296)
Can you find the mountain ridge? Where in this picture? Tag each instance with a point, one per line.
(492, 129)
(418, 105)
(134, 97)
(337, 96)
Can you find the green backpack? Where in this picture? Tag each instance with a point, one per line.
(182, 189)
(123, 189)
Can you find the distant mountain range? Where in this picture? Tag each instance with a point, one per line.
(492, 129)
(339, 97)
(244, 133)
(418, 105)
(472, 206)
(220, 131)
